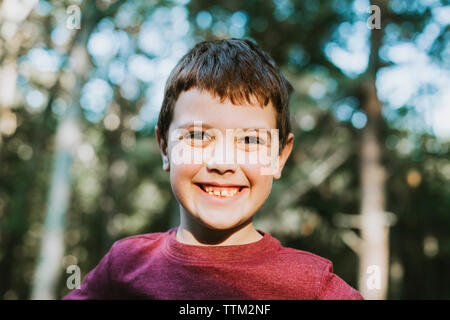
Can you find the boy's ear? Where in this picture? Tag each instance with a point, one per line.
(284, 155)
(163, 148)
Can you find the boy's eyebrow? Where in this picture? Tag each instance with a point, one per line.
(207, 126)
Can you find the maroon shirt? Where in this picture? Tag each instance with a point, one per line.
(157, 266)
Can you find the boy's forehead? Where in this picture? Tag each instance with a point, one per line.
(195, 106)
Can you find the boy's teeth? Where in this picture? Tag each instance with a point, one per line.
(221, 191)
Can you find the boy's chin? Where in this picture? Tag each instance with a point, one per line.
(220, 225)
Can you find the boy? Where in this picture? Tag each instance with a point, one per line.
(224, 113)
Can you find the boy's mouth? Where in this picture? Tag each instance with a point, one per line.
(220, 191)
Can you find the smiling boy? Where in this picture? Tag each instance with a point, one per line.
(224, 112)
(222, 216)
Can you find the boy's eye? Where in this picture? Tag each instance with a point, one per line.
(197, 135)
(197, 138)
(252, 140)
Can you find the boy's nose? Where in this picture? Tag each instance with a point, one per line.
(221, 159)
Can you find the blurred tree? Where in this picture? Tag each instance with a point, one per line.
(374, 224)
(340, 70)
(67, 141)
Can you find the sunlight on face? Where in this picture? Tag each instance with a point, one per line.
(217, 154)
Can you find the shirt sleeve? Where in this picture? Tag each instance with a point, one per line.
(334, 288)
(97, 283)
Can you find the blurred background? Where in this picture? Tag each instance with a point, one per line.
(367, 185)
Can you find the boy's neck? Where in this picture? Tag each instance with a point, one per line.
(201, 236)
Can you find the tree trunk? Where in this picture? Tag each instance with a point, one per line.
(52, 245)
(374, 253)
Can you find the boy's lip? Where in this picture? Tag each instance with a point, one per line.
(221, 185)
(221, 199)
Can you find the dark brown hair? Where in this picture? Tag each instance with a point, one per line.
(234, 69)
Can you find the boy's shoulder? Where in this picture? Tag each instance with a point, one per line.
(141, 238)
(304, 257)
(308, 262)
(137, 244)
(319, 270)
(145, 237)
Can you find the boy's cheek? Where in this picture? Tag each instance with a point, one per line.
(184, 171)
(265, 163)
(181, 180)
(180, 154)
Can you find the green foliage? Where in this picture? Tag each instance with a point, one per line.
(118, 185)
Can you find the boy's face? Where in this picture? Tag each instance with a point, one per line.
(211, 156)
